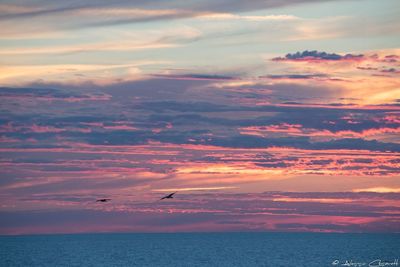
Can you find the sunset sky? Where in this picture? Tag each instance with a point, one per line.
(263, 115)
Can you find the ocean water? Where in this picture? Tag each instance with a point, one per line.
(201, 249)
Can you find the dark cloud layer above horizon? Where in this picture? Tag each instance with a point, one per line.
(259, 212)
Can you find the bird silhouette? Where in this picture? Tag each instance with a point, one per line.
(103, 200)
(168, 196)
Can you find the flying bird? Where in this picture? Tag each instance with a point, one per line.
(168, 196)
(103, 200)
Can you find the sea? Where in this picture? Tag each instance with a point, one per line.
(201, 249)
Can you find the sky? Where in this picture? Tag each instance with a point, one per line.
(262, 115)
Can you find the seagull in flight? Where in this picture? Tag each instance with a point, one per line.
(103, 200)
(168, 196)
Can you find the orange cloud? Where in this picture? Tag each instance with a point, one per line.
(379, 190)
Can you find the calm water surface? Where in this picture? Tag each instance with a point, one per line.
(201, 249)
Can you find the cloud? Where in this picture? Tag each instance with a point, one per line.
(194, 189)
(316, 56)
(229, 16)
(85, 48)
(378, 190)
(52, 19)
(300, 126)
(195, 77)
(248, 141)
(140, 9)
(71, 75)
(48, 94)
(390, 70)
(295, 76)
(167, 134)
(284, 211)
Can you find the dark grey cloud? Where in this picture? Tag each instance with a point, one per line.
(316, 55)
(367, 68)
(36, 92)
(390, 70)
(287, 90)
(50, 94)
(307, 116)
(185, 107)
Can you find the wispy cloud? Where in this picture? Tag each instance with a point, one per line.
(102, 47)
(229, 16)
(194, 189)
(379, 190)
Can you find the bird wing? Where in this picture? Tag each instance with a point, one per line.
(168, 196)
(103, 200)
